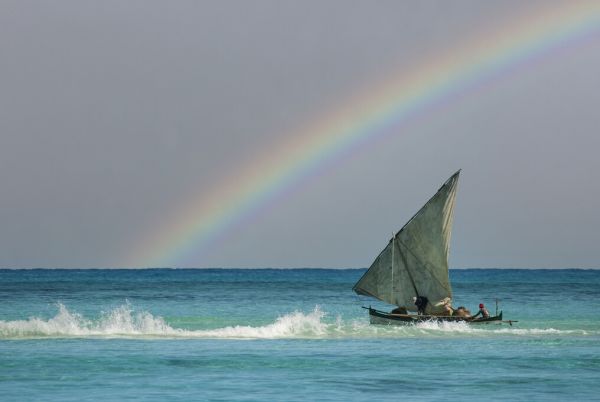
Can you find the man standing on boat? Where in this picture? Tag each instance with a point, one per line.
(421, 303)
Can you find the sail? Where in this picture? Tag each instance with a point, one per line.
(415, 261)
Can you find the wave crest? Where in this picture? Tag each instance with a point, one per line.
(123, 321)
(120, 321)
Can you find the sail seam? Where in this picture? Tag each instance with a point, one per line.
(412, 280)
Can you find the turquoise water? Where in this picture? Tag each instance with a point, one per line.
(290, 335)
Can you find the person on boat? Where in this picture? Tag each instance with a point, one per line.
(461, 311)
(399, 310)
(482, 311)
(421, 303)
(448, 310)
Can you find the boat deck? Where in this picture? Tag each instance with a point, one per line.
(382, 318)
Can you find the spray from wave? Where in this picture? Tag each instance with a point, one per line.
(120, 321)
(125, 322)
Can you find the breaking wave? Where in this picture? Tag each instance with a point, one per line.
(125, 322)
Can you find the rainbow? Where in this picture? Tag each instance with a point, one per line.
(209, 216)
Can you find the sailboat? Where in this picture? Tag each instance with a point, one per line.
(414, 265)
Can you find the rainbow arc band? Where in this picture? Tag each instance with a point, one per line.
(191, 228)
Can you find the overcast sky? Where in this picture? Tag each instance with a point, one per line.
(114, 113)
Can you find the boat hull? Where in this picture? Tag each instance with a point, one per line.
(378, 317)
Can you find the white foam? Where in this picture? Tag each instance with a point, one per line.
(120, 321)
(293, 325)
(124, 321)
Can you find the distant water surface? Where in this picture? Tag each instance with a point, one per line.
(300, 334)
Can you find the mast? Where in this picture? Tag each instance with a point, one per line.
(393, 247)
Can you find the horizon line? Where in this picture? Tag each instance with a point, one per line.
(271, 268)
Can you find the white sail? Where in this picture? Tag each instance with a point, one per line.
(415, 261)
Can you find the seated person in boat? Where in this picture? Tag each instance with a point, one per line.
(421, 303)
(482, 311)
(399, 310)
(462, 312)
(443, 308)
(448, 310)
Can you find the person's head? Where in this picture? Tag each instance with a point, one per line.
(481, 305)
(414, 299)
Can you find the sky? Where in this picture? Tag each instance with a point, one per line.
(120, 121)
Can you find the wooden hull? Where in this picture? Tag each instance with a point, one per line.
(378, 317)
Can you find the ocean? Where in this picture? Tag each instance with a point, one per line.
(290, 335)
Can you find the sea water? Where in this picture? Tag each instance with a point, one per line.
(300, 334)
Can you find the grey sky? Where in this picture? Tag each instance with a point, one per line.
(113, 113)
